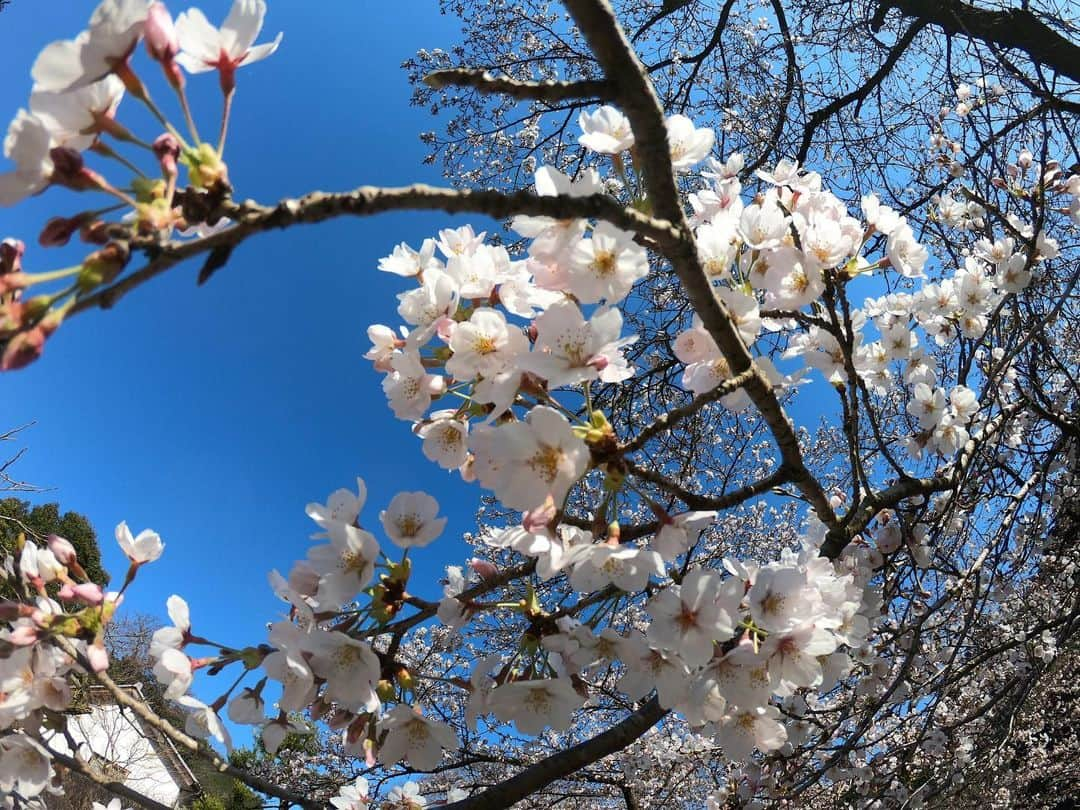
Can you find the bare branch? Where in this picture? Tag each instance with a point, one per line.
(552, 91)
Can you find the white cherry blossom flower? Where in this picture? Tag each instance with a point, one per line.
(763, 226)
(778, 597)
(437, 297)
(626, 567)
(27, 144)
(204, 47)
(927, 405)
(689, 144)
(174, 635)
(905, 253)
(571, 350)
(417, 739)
(409, 387)
(550, 237)
(675, 533)
(445, 439)
(484, 345)
(202, 721)
(24, 765)
(748, 728)
(289, 668)
(525, 462)
(350, 668)
(535, 705)
(144, 548)
(690, 616)
(793, 654)
(606, 131)
(463, 241)
(247, 708)
(173, 670)
(115, 28)
(412, 519)
(345, 565)
(342, 506)
(354, 796)
(404, 797)
(406, 262)
(648, 669)
(605, 267)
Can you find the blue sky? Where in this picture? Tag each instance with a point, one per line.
(214, 414)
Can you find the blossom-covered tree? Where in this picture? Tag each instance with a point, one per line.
(680, 596)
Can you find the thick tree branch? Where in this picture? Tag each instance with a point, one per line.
(1015, 28)
(565, 762)
(251, 218)
(597, 22)
(114, 787)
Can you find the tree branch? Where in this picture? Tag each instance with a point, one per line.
(1014, 28)
(597, 22)
(484, 82)
(566, 762)
(251, 218)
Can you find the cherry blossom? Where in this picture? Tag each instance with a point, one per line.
(411, 519)
(115, 28)
(690, 616)
(689, 144)
(570, 350)
(605, 267)
(143, 548)
(606, 131)
(417, 739)
(524, 462)
(204, 47)
(533, 706)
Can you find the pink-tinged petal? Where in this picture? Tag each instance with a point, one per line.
(59, 65)
(243, 24)
(192, 64)
(200, 42)
(260, 52)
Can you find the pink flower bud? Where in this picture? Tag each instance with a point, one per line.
(62, 549)
(88, 593)
(58, 230)
(23, 349)
(26, 347)
(167, 150)
(98, 657)
(161, 41)
(483, 568)
(11, 253)
(12, 282)
(67, 165)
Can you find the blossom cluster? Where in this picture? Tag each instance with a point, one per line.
(510, 351)
(49, 598)
(79, 85)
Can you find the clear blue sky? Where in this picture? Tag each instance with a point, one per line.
(214, 414)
